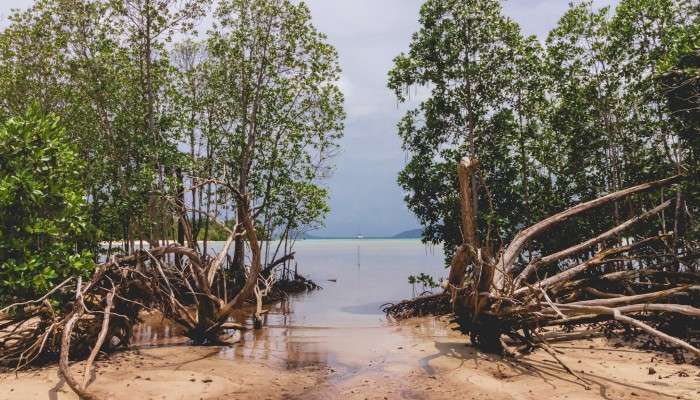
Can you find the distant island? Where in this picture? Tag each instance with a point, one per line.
(409, 234)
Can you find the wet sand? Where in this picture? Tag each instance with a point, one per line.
(336, 344)
(417, 359)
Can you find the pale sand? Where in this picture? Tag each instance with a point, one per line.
(418, 359)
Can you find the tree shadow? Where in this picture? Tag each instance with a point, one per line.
(548, 372)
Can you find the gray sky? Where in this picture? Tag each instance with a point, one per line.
(368, 34)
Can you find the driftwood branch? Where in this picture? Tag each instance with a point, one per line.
(100, 338)
(552, 258)
(634, 283)
(599, 258)
(64, 365)
(40, 299)
(618, 316)
(511, 253)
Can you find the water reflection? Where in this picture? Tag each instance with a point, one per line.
(365, 309)
(335, 326)
(155, 331)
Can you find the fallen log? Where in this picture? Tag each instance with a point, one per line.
(123, 286)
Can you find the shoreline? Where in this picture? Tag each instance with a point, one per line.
(420, 358)
(367, 239)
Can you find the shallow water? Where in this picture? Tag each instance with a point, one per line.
(336, 344)
(366, 274)
(341, 324)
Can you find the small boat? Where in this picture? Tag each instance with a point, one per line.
(360, 236)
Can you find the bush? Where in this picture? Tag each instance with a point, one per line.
(44, 230)
(682, 83)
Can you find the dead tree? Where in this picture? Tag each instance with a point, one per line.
(495, 300)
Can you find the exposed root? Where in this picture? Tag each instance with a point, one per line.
(434, 304)
(501, 304)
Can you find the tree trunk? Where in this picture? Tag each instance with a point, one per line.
(181, 211)
(239, 247)
(458, 267)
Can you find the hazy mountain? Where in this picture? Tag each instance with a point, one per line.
(409, 234)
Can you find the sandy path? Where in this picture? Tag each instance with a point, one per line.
(419, 359)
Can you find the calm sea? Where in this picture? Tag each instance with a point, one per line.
(366, 272)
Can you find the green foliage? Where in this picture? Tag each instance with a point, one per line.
(426, 281)
(273, 111)
(166, 137)
(552, 125)
(216, 232)
(476, 64)
(92, 63)
(682, 83)
(45, 233)
(255, 106)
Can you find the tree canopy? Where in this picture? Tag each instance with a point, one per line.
(176, 130)
(583, 114)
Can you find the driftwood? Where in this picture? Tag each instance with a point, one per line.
(501, 303)
(64, 366)
(515, 248)
(551, 259)
(186, 292)
(98, 315)
(433, 304)
(512, 302)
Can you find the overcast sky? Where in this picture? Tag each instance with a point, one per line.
(368, 35)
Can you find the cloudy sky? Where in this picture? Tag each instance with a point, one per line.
(368, 35)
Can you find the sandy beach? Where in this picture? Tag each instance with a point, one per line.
(416, 359)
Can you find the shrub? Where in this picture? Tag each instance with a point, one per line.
(44, 230)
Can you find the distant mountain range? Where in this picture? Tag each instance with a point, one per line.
(409, 234)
